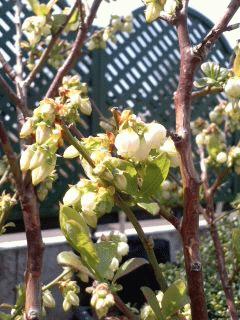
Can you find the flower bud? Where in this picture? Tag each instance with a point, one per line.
(70, 153)
(73, 298)
(72, 196)
(152, 11)
(114, 265)
(48, 300)
(221, 157)
(94, 299)
(42, 172)
(109, 300)
(170, 149)
(27, 128)
(26, 157)
(127, 143)
(232, 88)
(85, 106)
(43, 133)
(120, 182)
(155, 135)
(66, 305)
(166, 185)
(200, 139)
(38, 159)
(99, 304)
(88, 201)
(122, 248)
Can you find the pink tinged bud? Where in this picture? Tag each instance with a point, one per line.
(155, 135)
(127, 143)
(26, 158)
(70, 153)
(72, 196)
(43, 133)
(38, 159)
(27, 128)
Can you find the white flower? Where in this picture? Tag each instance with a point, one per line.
(170, 6)
(142, 152)
(127, 143)
(38, 159)
(26, 157)
(229, 108)
(155, 135)
(43, 132)
(166, 185)
(114, 265)
(221, 157)
(122, 248)
(48, 300)
(109, 300)
(66, 305)
(88, 201)
(72, 298)
(72, 196)
(70, 153)
(232, 88)
(42, 172)
(27, 128)
(170, 149)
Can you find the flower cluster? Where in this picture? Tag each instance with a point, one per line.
(91, 198)
(171, 194)
(155, 7)
(102, 299)
(122, 250)
(70, 291)
(117, 24)
(44, 126)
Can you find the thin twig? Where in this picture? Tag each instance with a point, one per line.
(7, 68)
(75, 52)
(206, 91)
(44, 57)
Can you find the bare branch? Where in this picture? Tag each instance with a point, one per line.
(203, 48)
(7, 68)
(45, 55)
(75, 52)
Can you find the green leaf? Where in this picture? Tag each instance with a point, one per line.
(58, 21)
(174, 298)
(153, 302)
(77, 233)
(236, 64)
(20, 301)
(129, 266)
(70, 259)
(149, 206)
(155, 173)
(35, 5)
(106, 251)
(236, 243)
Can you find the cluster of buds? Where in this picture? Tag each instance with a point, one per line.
(36, 27)
(155, 7)
(136, 139)
(6, 204)
(44, 126)
(102, 299)
(46, 186)
(91, 198)
(117, 24)
(171, 194)
(70, 291)
(59, 53)
(120, 240)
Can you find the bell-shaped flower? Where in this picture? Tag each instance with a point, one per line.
(43, 133)
(127, 143)
(43, 171)
(27, 128)
(85, 106)
(155, 135)
(88, 201)
(142, 152)
(169, 148)
(38, 158)
(72, 196)
(232, 88)
(26, 157)
(70, 153)
(221, 157)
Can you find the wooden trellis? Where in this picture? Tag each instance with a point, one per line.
(139, 72)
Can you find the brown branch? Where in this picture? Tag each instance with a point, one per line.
(28, 201)
(190, 221)
(218, 182)
(204, 47)
(45, 55)
(171, 219)
(206, 91)
(7, 68)
(75, 52)
(123, 308)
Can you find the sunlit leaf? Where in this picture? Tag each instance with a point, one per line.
(153, 302)
(129, 266)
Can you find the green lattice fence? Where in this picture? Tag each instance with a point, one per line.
(139, 72)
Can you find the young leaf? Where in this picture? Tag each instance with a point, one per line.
(174, 298)
(76, 232)
(236, 64)
(106, 251)
(35, 5)
(129, 266)
(236, 243)
(153, 302)
(70, 259)
(149, 206)
(156, 172)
